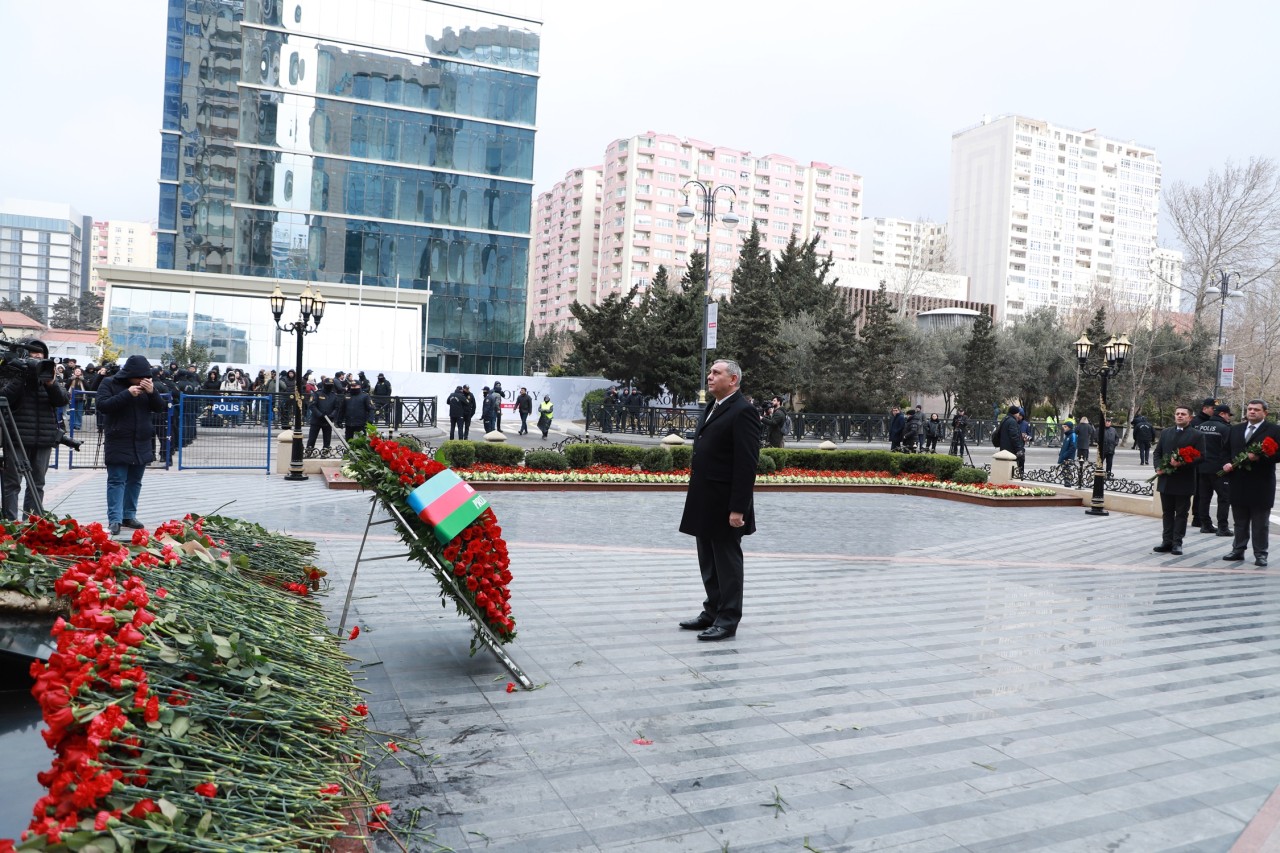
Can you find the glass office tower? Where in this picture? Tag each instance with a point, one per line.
(378, 143)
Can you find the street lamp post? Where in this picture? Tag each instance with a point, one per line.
(312, 310)
(1225, 292)
(686, 214)
(1116, 351)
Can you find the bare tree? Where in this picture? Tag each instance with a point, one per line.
(1229, 223)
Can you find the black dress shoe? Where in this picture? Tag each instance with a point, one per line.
(1208, 528)
(717, 632)
(134, 523)
(115, 529)
(1226, 531)
(1234, 556)
(1260, 562)
(702, 623)
(1176, 550)
(1163, 548)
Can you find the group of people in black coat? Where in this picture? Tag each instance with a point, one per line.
(1230, 461)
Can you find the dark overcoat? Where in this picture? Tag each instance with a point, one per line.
(1255, 487)
(128, 427)
(726, 448)
(1183, 480)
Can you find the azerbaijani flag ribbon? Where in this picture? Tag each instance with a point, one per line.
(448, 504)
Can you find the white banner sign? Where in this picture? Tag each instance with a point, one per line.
(1227, 372)
(713, 309)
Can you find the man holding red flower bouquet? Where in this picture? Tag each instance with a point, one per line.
(1252, 470)
(1176, 453)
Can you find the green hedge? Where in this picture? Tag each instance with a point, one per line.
(579, 455)
(623, 455)
(498, 454)
(765, 465)
(969, 475)
(459, 453)
(656, 459)
(593, 399)
(940, 465)
(681, 456)
(546, 460)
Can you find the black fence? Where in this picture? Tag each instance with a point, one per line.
(232, 429)
(657, 421)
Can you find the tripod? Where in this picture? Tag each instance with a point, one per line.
(13, 444)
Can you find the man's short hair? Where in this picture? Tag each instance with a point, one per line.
(731, 367)
(1187, 408)
(1258, 401)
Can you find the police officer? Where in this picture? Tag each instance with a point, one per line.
(324, 404)
(1217, 452)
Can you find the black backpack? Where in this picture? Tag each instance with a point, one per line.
(995, 436)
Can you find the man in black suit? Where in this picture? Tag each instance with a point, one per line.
(1253, 488)
(718, 509)
(1177, 488)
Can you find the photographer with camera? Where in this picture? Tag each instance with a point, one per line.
(34, 398)
(126, 403)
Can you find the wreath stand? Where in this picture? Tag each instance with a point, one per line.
(482, 628)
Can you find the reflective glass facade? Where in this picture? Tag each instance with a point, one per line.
(374, 142)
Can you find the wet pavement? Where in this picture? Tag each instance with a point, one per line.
(910, 674)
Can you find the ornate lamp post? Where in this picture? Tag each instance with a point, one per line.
(1225, 292)
(1116, 351)
(686, 214)
(312, 310)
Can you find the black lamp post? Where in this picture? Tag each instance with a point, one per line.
(312, 310)
(1116, 351)
(686, 214)
(1225, 292)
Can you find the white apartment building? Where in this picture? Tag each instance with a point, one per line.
(640, 189)
(1042, 214)
(123, 244)
(43, 252)
(909, 244)
(566, 249)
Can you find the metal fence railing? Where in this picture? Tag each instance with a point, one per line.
(230, 429)
(810, 426)
(81, 423)
(223, 431)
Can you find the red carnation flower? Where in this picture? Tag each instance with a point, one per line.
(207, 789)
(355, 632)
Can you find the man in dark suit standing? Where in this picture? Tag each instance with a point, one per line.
(718, 509)
(1176, 488)
(1253, 488)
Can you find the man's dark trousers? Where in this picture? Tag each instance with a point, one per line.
(1253, 525)
(1207, 486)
(1175, 509)
(720, 559)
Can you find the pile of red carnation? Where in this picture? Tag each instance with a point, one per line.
(95, 653)
(478, 556)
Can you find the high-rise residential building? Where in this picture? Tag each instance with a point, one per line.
(908, 244)
(1043, 214)
(640, 187)
(44, 252)
(121, 243)
(566, 249)
(380, 144)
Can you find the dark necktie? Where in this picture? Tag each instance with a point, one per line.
(1248, 432)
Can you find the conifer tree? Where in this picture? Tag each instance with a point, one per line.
(978, 393)
(749, 324)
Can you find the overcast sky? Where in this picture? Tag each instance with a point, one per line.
(876, 87)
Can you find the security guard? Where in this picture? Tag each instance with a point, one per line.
(1217, 452)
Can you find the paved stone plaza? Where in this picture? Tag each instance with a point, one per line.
(911, 674)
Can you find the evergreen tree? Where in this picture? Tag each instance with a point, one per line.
(65, 314)
(1041, 348)
(607, 341)
(978, 393)
(749, 324)
(29, 307)
(673, 327)
(90, 314)
(881, 367)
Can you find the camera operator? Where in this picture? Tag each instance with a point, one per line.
(775, 420)
(34, 400)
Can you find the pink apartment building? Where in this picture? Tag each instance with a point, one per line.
(605, 228)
